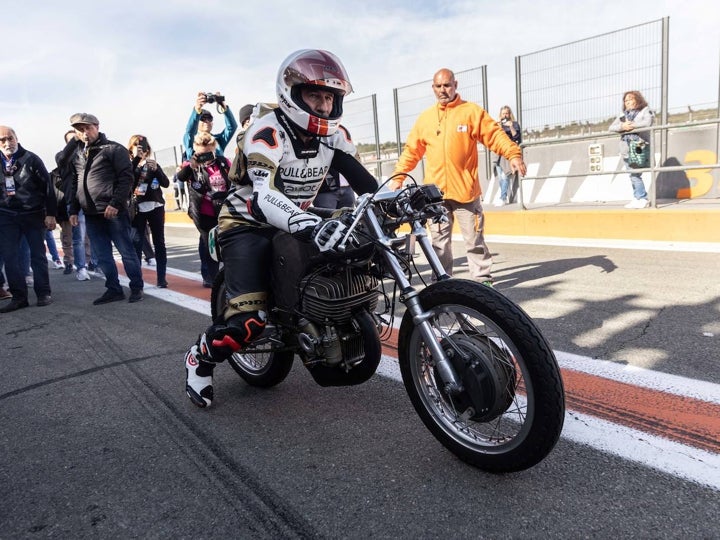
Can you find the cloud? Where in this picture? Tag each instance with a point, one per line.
(138, 68)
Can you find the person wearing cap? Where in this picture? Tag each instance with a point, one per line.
(102, 178)
(27, 209)
(202, 120)
(244, 116)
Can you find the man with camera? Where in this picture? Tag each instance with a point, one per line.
(201, 120)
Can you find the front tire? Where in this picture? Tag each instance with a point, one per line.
(264, 367)
(510, 414)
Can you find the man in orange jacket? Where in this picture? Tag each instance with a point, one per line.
(447, 134)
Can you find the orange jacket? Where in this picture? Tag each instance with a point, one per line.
(449, 135)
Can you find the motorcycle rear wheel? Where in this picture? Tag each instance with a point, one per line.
(264, 367)
(510, 414)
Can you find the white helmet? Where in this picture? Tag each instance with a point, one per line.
(312, 67)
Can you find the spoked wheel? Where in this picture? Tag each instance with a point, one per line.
(263, 365)
(510, 411)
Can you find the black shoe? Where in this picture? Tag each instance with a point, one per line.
(14, 305)
(162, 283)
(135, 295)
(207, 284)
(44, 300)
(109, 296)
(68, 269)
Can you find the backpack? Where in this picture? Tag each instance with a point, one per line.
(238, 167)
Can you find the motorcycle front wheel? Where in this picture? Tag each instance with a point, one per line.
(510, 411)
(263, 366)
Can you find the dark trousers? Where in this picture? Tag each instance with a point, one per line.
(208, 266)
(103, 234)
(155, 221)
(12, 228)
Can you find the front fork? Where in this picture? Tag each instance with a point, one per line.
(409, 297)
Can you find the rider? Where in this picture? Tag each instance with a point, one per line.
(286, 155)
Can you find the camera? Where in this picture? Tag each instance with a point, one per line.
(212, 98)
(142, 144)
(204, 157)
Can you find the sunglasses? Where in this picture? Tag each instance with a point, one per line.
(206, 119)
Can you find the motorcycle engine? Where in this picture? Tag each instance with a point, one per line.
(332, 298)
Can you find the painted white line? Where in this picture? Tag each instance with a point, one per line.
(654, 245)
(645, 378)
(661, 454)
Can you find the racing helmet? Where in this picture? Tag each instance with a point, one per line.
(312, 67)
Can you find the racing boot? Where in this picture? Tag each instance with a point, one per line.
(214, 346)
(199, 368)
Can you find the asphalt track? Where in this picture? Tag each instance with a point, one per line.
(98, 439)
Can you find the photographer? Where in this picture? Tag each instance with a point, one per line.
(207, 176)
(201, 121)
(149, 203)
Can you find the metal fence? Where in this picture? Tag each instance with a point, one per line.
(361, 119)
(411, 100)
(565, 91)
(583, 82)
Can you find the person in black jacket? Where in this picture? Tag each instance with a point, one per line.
(102, 177)
(207, 175)
(150, 204)
(27, 208)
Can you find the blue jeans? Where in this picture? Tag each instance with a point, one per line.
(13, 229)
(637, 185)
(504, 182)
(103, 234)
(78, 242)
(52, 247)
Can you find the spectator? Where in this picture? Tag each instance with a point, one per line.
(147, 249)
(448, 132)
(52, 249)
(76, 246)
(148, 197)
(244, 116)
(287, 166)
(27, 209)
(503, 171)
(636, 114)
(102, 176)
(4, 293)
(201, 121)
(207, 175)
(180, 191)
(335, 192)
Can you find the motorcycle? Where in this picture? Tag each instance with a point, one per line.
(478, 372)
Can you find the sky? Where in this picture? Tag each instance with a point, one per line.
(138, 66)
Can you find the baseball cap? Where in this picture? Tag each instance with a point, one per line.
(245, 113)
(83, 118)
(206, 115)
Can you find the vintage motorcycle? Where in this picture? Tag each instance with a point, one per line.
(477, 369)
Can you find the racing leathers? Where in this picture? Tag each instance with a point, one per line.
(282, 175)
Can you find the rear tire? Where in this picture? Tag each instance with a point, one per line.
(263, 368)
